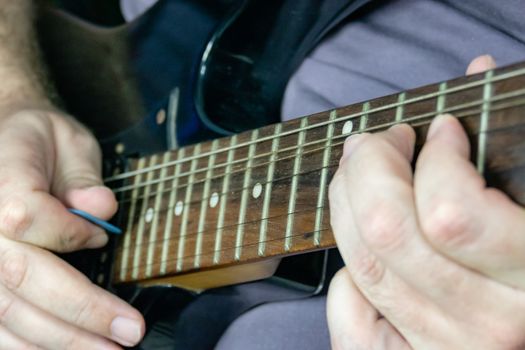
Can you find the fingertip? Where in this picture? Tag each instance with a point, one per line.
(405, 137)
(128, 331)
(445, 124)
(436, 125)
(98, 201)
(481, 64)
(350, 144)
(447, 131)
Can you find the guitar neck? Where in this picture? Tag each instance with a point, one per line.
(263, 193)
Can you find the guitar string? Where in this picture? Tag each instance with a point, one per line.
(204, 232)
(355, 116)
(151, 195)
(239, 162)
(212, 231)
(143, 266)
(244, 245)
(229, 248)
(459, 88)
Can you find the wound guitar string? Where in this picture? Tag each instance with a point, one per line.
(320, 168)
(412, 120)
(357, 115)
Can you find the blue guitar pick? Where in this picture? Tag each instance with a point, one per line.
(99, 222)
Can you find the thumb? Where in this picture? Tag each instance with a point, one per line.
(77, 180)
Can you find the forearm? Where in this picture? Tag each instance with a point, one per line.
(22, 78)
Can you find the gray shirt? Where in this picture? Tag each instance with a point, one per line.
(400, 44)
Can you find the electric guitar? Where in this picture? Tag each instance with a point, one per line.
(147, 86)
(211, 213)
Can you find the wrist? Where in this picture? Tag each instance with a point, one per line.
(11, 106)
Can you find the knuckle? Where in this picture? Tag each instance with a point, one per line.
(383, 227)
(14, 267)
(68, 241)
(84, 311)
(75, 134)
(366, 269)
(448, 224)
(14, 217)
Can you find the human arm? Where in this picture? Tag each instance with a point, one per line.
(44, 150)
(48, 163)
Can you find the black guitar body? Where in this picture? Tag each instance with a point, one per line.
(222, 67)
(185, 72)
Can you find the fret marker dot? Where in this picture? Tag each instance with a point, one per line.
(257, 190)
(178, 208)
(149, 215)
(348, 127)
(214, 199)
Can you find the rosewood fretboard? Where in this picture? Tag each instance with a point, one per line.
(263, 193)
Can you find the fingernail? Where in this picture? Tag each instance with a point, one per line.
(126, 331)
(97, 241)
(436, 125)
(489, 60)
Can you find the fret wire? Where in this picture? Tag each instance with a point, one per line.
(400, 109)
(140, 229)
(458, 88)
(186, 211)
(254, 243)
(440, 104)
(341, 143)
(293, 187)
(223, 199)
(364, 117)
(127, 238)
(268, 191)
(485, 115)
(453, 110)
(424, 123)
(244, 195)
(482, 131)
(204, 204)
(244, 246)
(377, 127)
(324, 178)
(155, 221)
(254, 221)
(169, 217)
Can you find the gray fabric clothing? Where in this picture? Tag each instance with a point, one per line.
(403, 44)
(292, 321)
(388, 47)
